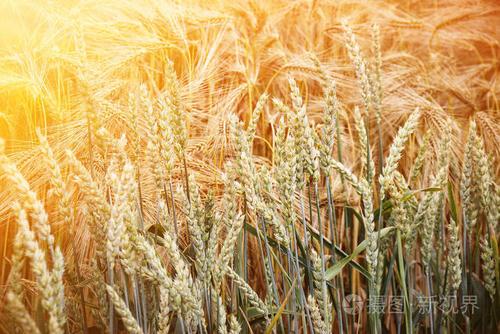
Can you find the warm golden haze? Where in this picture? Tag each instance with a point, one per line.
(249, 166)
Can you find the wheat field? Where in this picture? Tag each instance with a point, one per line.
(249, 166)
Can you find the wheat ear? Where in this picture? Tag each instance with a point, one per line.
(396, 150)
(128, 320)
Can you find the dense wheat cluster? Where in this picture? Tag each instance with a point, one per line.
(249, 166)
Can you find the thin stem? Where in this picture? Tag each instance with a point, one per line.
(186, 176)
(306, 245)
(173, 205)
(111, 306)
(465, 288)
(322, 250)
(429, 291)
(271, 270)
(332, 218)
(402, 274)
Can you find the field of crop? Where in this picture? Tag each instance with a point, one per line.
(249, 166)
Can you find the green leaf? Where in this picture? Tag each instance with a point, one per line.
(302, 261)
(338, 250)
(337, 268)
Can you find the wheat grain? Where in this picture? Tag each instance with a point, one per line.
(194, 224)
(121, 308)
(364, 190)
(427, 214)
(330, 112)
(154, 140)
(56, 180)
(20, 314)
(259, 108)
(418, 163)
(468, 185)
(483, 173)
(488, 266)
(252, 296)
(49, 282)
(93, 195)
(396, 150)
(366, 161)
(176, 114)
(453, 258)
(321, 295)
(221, 316)
(318, 323)
(376, 78)
(360, 65)
(166, 138)
(28, 197)
(284, 174)
(234, 326)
